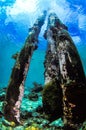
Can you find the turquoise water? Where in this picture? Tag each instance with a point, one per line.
(36, 70)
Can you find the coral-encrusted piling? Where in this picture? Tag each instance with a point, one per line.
(51, 63)
(15, 88)
(71, 76)
(52, 93)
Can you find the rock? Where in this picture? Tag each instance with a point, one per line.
(33, 96)
(26, 114)
(39, 109)
(52, 100)
(2, 96)
(37, 87)
(1, 114)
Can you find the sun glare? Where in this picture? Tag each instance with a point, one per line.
(22, 6)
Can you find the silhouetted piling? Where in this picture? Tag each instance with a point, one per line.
(71, 76)
(15, 88)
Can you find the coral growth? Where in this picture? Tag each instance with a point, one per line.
(52, 100)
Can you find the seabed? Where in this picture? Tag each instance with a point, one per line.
(32, 115)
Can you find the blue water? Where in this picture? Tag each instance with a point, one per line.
(17, 16)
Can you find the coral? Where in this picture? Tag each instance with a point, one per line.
(12, 124)
(32, 128)
(33, 96)
(37, 87)
(52, 100)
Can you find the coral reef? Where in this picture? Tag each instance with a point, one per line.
(37, 87)
(34, 117)
(33, 96)
(31, 117)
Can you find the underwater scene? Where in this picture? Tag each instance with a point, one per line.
(42, 65)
